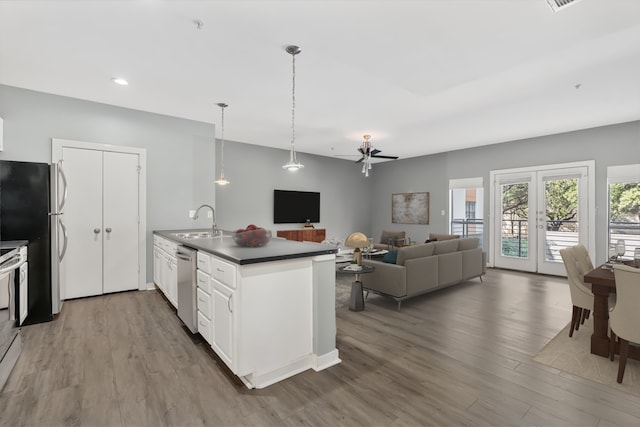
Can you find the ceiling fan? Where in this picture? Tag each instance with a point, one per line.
(368, 152)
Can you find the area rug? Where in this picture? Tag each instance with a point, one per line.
(573, 355)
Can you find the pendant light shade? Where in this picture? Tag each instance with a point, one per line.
(293, 164)
(222, 180)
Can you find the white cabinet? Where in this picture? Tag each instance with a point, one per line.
(165, 268)
(224, 336)
(102, 218)
(216, 283)
(171, 279)
(157, 266)
(203, 298)
(23, 308)
(259, 317)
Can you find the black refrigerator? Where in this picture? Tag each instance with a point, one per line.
(25, 199)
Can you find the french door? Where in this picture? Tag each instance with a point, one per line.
(539, 211)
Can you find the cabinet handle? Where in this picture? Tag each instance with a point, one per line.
(96, 230)
(229, 303)
(108, 230)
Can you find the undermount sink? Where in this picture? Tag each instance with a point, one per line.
(195, 235)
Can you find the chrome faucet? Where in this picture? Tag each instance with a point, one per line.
(214, 227)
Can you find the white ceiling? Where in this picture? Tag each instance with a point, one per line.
(420, 76)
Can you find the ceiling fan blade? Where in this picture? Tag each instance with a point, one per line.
(361, 150)
(360, 161)
(385, 157)
(375, 151)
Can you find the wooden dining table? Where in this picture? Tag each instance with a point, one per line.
(603, 283)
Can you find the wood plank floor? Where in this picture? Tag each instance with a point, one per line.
(460, 356)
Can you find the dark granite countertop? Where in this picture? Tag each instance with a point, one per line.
(224, 247)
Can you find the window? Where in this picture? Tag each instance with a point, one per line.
(624, 207)
(466, 197)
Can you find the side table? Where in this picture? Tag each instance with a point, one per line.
(356, 301)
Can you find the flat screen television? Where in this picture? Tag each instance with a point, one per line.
(291, 207)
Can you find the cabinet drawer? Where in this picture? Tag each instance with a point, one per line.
(204, 262)
(204, 327)
(170, 247)
(223, 272)
(204, 303)
(203, 282)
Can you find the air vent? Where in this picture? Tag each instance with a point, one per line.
(557, 5)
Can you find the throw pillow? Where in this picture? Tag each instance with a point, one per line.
(390, 257)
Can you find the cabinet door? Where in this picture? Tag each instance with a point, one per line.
(223, 334)
(120, 220)
(81, 268)
(172, 280)
(24, 289)
(157, 265)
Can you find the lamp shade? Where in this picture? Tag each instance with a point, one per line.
(357, 240)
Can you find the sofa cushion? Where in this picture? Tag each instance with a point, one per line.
(416, 251)
(468, 243)
(445, 247)
(437, 237)
(390, 257)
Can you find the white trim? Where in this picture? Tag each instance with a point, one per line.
(58, 144)
(325, 361)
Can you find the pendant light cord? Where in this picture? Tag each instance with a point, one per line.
(293, 109)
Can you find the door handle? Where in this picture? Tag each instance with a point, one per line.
(96, 230)
(108, 229)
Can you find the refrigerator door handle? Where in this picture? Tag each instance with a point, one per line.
(64, 243)
(64, 182)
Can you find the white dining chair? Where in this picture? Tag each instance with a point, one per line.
(624, 318)
(578, 263)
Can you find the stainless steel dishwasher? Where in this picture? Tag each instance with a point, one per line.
(187, 309)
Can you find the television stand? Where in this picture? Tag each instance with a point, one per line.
(304, 234)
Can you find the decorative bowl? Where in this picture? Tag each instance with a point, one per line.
(252, 238)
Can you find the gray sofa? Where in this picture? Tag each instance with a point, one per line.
(426, 267)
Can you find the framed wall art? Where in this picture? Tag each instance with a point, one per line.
(410, 208)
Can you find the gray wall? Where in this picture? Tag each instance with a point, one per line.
(180, 167)
(607, 145)
(180, 153)
(255, 171)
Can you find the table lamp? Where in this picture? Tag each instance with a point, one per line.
(357, 240)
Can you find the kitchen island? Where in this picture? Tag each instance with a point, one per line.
(267, 312)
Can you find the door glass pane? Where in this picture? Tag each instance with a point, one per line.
(515, 220)
(624, 215)
(467, 211)
(561, 216)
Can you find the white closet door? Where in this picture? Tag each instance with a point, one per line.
(81, 268)
(120, 221)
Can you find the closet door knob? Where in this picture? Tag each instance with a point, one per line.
(108, 230)
(96, 230)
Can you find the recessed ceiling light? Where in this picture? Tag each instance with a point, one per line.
(119, 81)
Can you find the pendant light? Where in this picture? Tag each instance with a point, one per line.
(222, 180)
(293, 164)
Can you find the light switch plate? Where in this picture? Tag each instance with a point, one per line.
(442, 212)
(191, 214)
